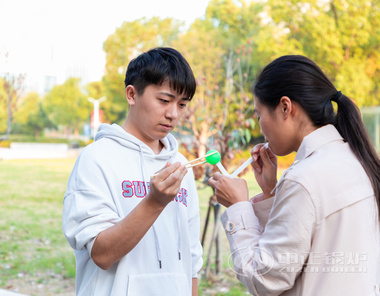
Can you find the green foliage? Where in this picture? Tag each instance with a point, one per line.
(33, 139)
(226, 49)
(31, 115)
(66, 104)
(220, 114)
(11, 87)
(3, 108)
(340, 36)
(95, 89)
(129, 40)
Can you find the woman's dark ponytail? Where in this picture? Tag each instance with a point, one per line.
(349, 123)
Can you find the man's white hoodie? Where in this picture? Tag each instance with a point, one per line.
(110, 177)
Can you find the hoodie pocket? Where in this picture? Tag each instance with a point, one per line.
(158, 285)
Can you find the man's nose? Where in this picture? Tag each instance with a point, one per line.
(172, 111)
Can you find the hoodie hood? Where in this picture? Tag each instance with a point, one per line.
(118, 134)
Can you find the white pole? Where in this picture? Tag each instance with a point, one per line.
(96, 112)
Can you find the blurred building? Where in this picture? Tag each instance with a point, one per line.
(371, 119)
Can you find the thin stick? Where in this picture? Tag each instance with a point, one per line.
(202, 157)
(195, 164)
(189, 165)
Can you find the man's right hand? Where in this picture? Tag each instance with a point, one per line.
(165, 186)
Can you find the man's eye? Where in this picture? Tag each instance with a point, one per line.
(164, 101)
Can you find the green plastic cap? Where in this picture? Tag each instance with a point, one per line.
(213, 158)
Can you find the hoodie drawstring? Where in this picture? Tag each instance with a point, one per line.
(156, 241)
(179, 245)
(178, 218)
(158, 250)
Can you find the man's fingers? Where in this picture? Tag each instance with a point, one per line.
(168, 170)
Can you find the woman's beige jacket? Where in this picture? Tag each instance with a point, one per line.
(319, 234)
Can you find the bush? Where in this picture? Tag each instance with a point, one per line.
(286, 161)
(5, 144)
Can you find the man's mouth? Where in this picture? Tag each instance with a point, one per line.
(167, 126)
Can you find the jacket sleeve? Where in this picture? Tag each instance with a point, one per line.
(268, 258)
(262, 210)
(194, 227)
(87, 206)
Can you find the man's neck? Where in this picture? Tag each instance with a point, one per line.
(155, 145)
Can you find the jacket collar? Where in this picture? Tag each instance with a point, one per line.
(318, 138)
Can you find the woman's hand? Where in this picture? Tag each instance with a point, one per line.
(265, 168)
(228, 190)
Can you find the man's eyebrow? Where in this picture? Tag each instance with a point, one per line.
(168, 94)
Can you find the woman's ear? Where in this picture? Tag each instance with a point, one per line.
(286, 106)
(130, 93)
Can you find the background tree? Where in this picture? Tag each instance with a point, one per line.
(340, 36)
(95, 90)
(67, 106)
(12, 86)
(220, 115)
(3, 108)
(31, 115)
(129, 40)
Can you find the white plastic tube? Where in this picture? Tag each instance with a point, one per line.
(222, 169)
(245, 164)
(242, 167)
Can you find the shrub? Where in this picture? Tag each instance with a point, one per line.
(5, 144)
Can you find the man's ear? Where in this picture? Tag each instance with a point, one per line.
(287, 106)
(130, 93)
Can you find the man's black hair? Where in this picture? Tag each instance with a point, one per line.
(159, 65)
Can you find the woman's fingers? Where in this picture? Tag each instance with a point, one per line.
(257, 162)
(228, 190)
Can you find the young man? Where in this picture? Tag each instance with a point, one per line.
(134, 234)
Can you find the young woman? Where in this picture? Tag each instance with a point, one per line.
(316, 230)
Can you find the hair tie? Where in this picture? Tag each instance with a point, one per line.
(337, 96)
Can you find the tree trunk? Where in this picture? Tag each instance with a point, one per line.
(36, 133)
(9, 109)
(76, 131)
(68, 131)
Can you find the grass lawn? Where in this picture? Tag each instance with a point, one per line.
(35, 258)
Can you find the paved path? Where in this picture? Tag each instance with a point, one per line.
(9, 293)
(37, 151)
